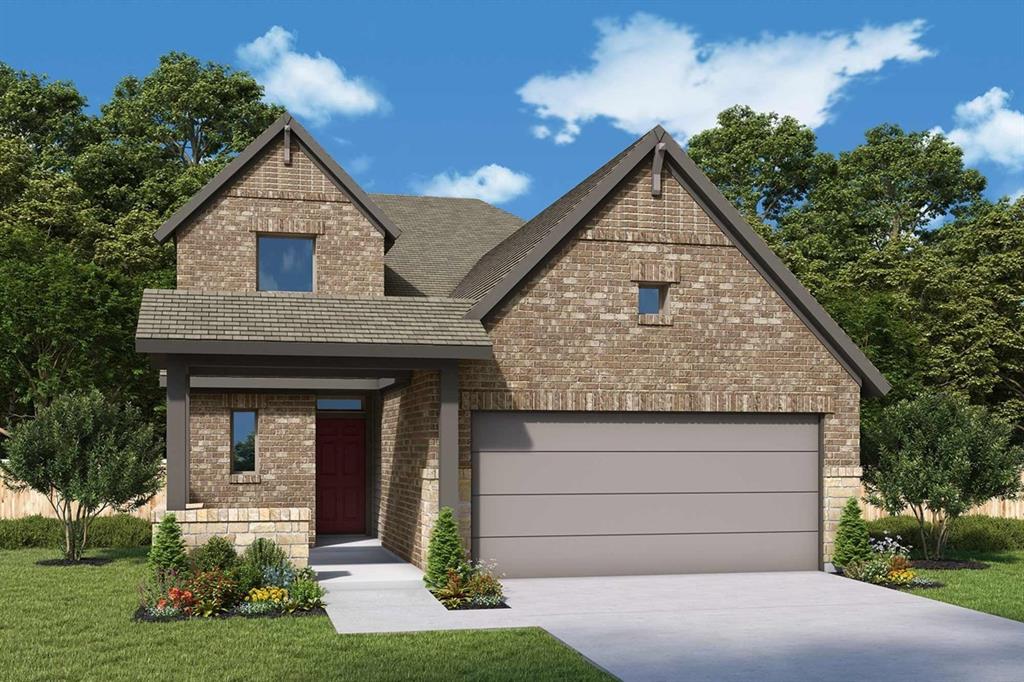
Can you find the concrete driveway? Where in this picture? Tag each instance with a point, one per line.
(740, 626)
(769, 626)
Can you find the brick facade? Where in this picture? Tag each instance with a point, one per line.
(570, 339)
(285, 453)
(216, 251)
(409, 466)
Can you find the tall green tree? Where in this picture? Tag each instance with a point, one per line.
(762, 162)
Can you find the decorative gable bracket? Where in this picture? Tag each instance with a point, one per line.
(659, 160)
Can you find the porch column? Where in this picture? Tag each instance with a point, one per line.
(177, 433)
(448, 438)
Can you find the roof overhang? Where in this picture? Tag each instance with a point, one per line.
(732, 224)
(284, 124)
(311, 350)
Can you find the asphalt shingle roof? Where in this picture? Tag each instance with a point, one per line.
(500, 260)
(442, 238)
(170, 314)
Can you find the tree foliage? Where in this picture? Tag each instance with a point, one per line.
(939, 454)
(853, 541)
(85, 455)
(167, 554)
(80, 198)
(762, 162)
(444, 551)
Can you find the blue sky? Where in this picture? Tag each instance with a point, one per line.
(517, 102)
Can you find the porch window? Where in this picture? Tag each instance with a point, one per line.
(243, 441)
(342, 404)
(284, 263)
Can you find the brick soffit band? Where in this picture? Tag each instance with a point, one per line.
(285, 124)
(732, 224)
(646, 401)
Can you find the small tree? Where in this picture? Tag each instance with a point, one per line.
(939, 454)
(85, 455)
(445, 550)
(167, 554)
(853, 542)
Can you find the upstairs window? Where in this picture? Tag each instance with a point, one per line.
(651, 299)
(243, 441)
(284, 263)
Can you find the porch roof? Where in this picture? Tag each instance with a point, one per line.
(184, 321)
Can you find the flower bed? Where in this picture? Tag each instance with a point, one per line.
(472, 585)
(214, 582)
(888, 565)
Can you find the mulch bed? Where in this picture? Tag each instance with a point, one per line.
(474, 607)
(948, 565)
(143, 616)
(84, 561)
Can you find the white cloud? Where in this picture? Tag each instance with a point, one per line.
(310, 86)
(988, 130)
(1014, 196)
(492, 183)
(541, 132)
(649, 70)
(359, 164)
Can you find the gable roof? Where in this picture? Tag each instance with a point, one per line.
(342, 180)
(442, 238)
(504, 267)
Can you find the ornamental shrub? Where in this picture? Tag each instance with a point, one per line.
(445, 552)
(973, 533)
(119, 530)
(852, 537)
(305, 595)
(217, 553)
(167, 554)
(86, 455)
(247, 576)
(214, 592)
(939, 456)
(265, 553)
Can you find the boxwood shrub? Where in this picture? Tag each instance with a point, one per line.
(120, 530)
(969, 533)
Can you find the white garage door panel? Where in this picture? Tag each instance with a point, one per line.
(503, 472)
(652, 554)
(531, 515)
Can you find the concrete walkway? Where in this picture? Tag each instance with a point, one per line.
(741, 626)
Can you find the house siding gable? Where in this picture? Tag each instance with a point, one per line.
(570, 338)
(216, 249)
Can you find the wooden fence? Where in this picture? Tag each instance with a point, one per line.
(28, 502)
(1010, 509)
(17, 504)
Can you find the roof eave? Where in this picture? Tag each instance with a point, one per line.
(154, 346)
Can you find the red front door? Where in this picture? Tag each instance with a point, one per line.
(340, 475)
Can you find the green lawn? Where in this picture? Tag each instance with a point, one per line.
(64, 623)
(998, 589)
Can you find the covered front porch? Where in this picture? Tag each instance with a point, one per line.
(364, 435)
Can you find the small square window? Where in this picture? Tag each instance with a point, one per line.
(348, 404)
(284, 263)
(243, 441)
(651, 299)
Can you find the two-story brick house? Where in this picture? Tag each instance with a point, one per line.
(629, 382)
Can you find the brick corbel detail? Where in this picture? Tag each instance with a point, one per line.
(657, 272)
(632, 401)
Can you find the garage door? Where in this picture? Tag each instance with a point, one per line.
(598, 493)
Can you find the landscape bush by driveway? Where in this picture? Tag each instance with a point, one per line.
(75, 623)
(118, 531)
